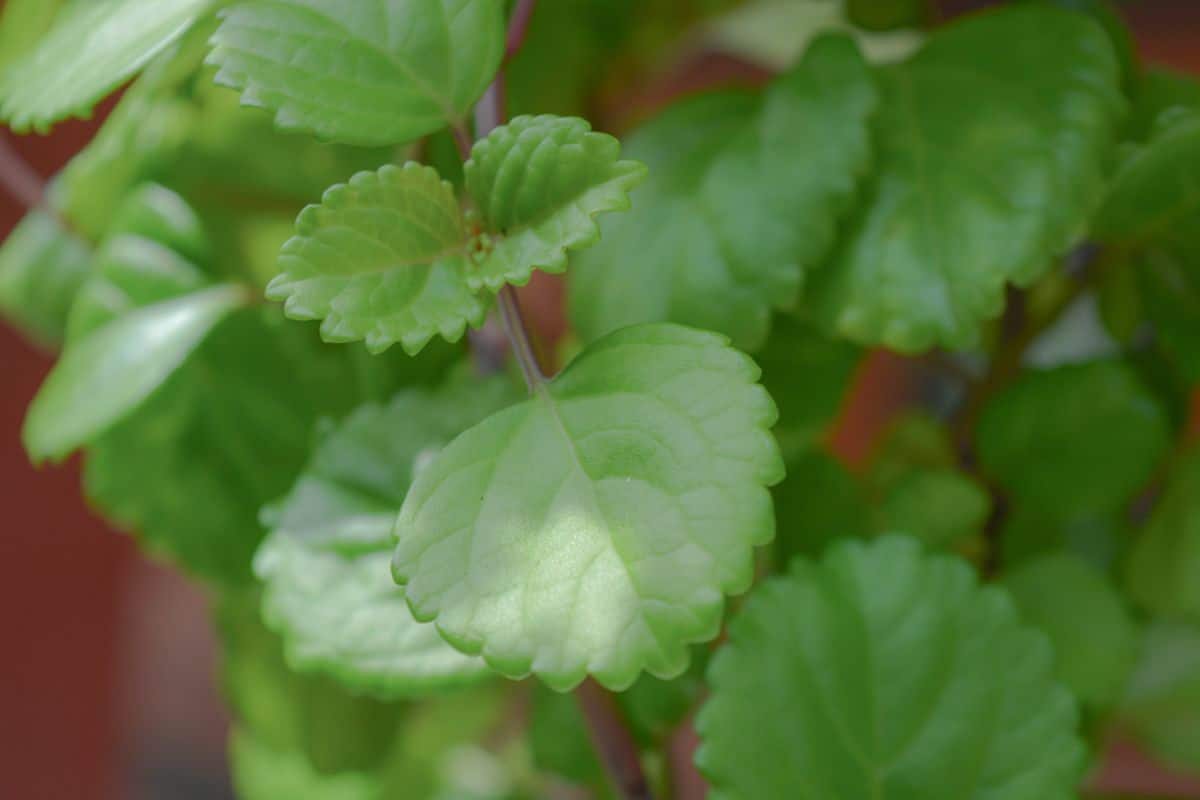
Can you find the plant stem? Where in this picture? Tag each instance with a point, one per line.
(19, 178)
(519, 339)
(613, 742)
(608, 732)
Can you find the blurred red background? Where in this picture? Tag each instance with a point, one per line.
(105, 672)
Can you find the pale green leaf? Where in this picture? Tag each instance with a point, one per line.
(328, 589)
(1095, 638)
(104, 376)
(743, 196)
(22, 25)
(230, 433)
(538, 183)
(597, 527)
(1073, 440)
(382, 258)
(41, 269)
(150, 255)
(371, 72)
(991, 145)
(262, 772)
(1162, 706)
(1164, 567)
(887, 674)
(299, 733)
(93, 47)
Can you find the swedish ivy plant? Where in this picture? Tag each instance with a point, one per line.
(290, 282)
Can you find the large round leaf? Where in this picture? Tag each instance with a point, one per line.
(883, 673)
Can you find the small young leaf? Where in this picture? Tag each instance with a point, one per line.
(1162, 706)
(369, 72)
(382, 258)
(1073, 440)
(328, 589)
(42, 267)
(92, 48)
(743, 195)
(538, 183)
(884, 673)
(106, 375)
(992, 145)
(1165, 561)
(596, 527)
(1094, 635)
(941, 507)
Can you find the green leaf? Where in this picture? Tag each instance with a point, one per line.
(1170, 294)
(41, 269)
(1158, 90)
(884, 673)
(262, 772)
(1162, 706)
(941, 507)
(1094, 635)
(559, 741)
(818, 502)
(538, 183)
(149, 257)
(808, 376)
(382, 258)
(297, 732)
(1073, 440)
(92, 48)
(1028, 532)
(743, 196)
(992, 144)
(104, 376)
(328, 589)
(1153, 196)
(886, 15)
(1165, 561)
(22, 24)
(374, 72)
(596, 527)
(230, 433)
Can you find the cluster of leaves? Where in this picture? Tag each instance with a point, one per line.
(387, 532)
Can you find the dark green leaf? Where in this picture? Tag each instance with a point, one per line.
(818, 502)
(888, 674)
(1162, 706)
(992, 146)
(1164, 567)
(1094, 635)
(743, 195)
(1074, 440)
(228, 434)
